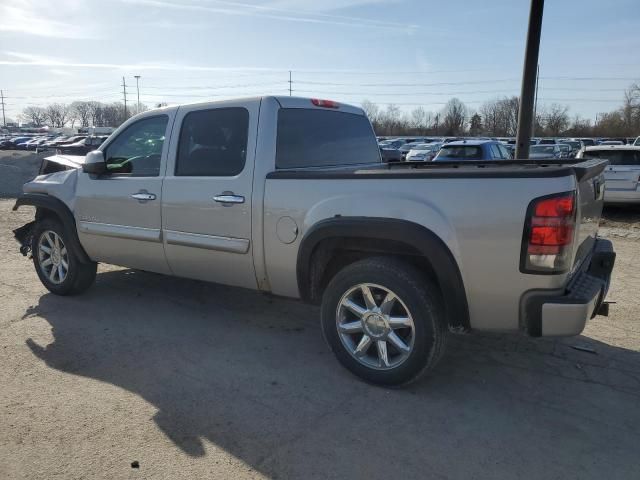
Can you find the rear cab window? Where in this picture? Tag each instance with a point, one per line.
(616, 157)
(323, 138)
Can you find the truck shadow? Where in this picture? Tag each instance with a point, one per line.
(252, 375)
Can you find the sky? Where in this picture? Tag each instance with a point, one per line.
(405, 52)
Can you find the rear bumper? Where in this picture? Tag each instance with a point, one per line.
(621, 196)
(565, 314)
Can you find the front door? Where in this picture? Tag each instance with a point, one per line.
(206, 197)
(119, 214)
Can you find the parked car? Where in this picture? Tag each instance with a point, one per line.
(423, 152)
(289, 196)
(565, 150)
(575, 146)
(82, 147)
(13, 142)
(622, 175)
(547, 141)
(391, 155)
(472, 150)
(542, 152)
(587, 142)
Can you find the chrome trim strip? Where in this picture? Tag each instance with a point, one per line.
(209, 242)
(120, 231)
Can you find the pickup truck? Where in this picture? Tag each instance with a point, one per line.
(290, 196)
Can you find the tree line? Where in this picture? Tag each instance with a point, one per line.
(80, 114)
(499, 118)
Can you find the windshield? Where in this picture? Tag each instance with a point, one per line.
(542, 149)
(460, 152)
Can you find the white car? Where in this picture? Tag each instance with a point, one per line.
(423, 152)
(622, 175)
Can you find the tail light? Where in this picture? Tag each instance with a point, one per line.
(548, 234)
(325, 103)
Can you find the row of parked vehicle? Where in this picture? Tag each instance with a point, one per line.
(426, 149)
(72, 145)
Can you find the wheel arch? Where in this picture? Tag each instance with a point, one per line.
(46, 205)
(358, 237)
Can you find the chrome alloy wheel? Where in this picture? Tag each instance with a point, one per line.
(375, 326)
(53, 257)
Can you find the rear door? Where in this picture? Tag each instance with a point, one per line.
(206, 197)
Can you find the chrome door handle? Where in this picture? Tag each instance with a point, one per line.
(143, 196)
(228, 198)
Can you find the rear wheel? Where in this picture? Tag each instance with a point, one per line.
(57, 263)
(384, 321)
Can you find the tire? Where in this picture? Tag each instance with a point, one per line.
(347, 317)
(76, 277)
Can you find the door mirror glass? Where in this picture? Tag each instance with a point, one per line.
(94, 163)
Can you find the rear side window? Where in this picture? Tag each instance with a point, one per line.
(616, 157)
(456, 152)
(213, 143)
(315, 138)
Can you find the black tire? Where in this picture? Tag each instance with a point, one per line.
(423, 302)
(79, 276)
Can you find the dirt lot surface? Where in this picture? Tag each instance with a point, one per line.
(194, 380)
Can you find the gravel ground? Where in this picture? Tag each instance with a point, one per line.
(194, 380)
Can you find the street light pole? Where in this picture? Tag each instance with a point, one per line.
(527, 95)
(137, 77)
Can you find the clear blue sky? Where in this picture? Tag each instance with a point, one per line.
(407, 52)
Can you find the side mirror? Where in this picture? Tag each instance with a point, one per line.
(94, 163)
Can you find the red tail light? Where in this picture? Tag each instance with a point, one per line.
(548, 234)
(325, 103)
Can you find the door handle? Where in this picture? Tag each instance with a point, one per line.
(143, 196)
(228, 198)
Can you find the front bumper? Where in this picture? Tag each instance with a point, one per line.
(565, 314)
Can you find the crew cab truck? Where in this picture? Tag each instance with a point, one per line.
(290, 196)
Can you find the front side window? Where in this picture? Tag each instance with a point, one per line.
(495, 152)
(213, 143)
(315, 138)
(137, 150)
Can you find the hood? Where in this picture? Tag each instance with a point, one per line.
(73, 161)
(541, 156)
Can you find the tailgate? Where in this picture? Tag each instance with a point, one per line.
(622, 177)
(590, 190)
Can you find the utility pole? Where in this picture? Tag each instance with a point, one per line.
(4, 120)
(535, 104)
(527, 94)
(290, 83)
(124, 95)
(138, 90)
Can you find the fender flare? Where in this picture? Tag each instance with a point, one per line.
(47, 202)
(421, 239)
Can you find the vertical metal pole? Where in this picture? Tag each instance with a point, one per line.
(4, 120)
(289, 82)
(124, 94)
(535, 104)
(527, 94)
(138, 90)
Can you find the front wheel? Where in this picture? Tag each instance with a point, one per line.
(384, 321)
(57, 263)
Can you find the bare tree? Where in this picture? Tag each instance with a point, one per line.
(58, 114)
(82, 111)
(557, 119)
(454, 117)
(35, 115)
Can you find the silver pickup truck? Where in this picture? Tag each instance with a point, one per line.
(290, 196)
